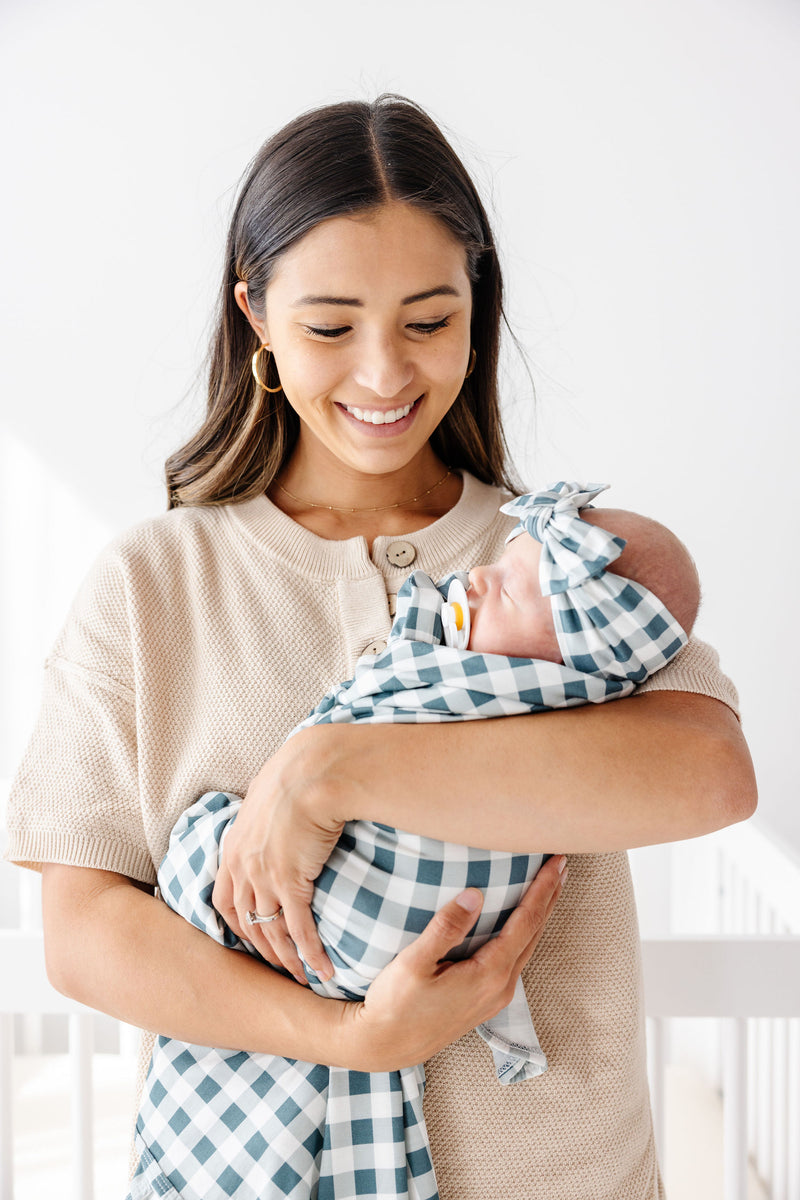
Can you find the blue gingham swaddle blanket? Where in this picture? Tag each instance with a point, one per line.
(218, 1124)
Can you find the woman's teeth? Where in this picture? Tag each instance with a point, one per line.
(377, 416)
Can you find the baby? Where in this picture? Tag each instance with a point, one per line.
(512, 605)
(547, 626)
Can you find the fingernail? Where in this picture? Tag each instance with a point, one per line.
(470, 900)
(562, 862)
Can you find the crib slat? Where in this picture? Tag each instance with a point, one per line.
(734, 1116)
(6, 1117)
(81, 1049)
(780, 1099)
(752, 927)
(793, 1109)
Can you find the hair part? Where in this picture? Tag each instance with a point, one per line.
(338, 160)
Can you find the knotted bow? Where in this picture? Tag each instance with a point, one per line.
(605, 624)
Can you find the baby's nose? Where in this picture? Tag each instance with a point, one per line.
(476, 580)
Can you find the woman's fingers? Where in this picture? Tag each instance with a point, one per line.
(281, 947)
(224, 902)
(289, 939)
(302, 931)
(292, 938)
(271, 938)
(272, 941)
(533, 911)
(521, 933)
(446, 930)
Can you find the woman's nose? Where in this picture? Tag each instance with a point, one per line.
(384, 368)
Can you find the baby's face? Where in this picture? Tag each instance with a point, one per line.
(508, 613)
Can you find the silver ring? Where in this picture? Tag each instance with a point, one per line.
(253, 917)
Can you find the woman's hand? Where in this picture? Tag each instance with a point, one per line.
(419, 1004)
(276, 848)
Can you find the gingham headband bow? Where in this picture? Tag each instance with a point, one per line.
(605, 624)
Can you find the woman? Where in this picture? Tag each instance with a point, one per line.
(362, 289)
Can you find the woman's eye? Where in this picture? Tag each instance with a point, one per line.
(427, 327)
(326, 331)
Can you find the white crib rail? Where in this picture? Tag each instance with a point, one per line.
(26, 989)
(758, 893)
(734, 979)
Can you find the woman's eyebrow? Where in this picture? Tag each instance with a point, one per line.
(443, 289)
(305, 301)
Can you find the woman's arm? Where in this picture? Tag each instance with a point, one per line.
(114, 946)
(651, 768)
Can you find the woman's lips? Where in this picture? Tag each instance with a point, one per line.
(381, 428)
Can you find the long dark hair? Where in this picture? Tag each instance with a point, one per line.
(333, 161)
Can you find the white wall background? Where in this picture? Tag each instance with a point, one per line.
(641, 161)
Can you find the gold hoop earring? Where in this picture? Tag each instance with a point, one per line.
(254, 366)
(473, 358)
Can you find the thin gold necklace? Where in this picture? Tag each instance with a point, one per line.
(375, 507)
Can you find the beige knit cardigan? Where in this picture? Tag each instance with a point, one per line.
(198, 641)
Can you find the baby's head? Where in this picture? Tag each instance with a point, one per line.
(512, 613)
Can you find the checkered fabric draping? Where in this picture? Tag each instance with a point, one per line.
(605, 624)
(217, 1124)
(417, 679)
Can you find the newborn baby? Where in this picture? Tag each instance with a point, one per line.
(511, 606)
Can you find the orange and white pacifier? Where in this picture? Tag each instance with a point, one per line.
(455, 616)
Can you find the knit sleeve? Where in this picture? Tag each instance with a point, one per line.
(75, 799)
(695, 669)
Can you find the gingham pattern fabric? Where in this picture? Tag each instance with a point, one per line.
(415, 680)
(605, 624)
(218, 1124)
(418, 617)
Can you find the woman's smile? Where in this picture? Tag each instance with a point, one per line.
(383, 422)
(379, 416)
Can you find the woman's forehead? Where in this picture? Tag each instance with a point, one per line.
(349, 258)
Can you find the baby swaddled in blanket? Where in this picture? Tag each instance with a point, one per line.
(547, 626)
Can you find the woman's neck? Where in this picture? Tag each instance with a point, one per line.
(367, 506)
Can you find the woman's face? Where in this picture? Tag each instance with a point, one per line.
(368, 319)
